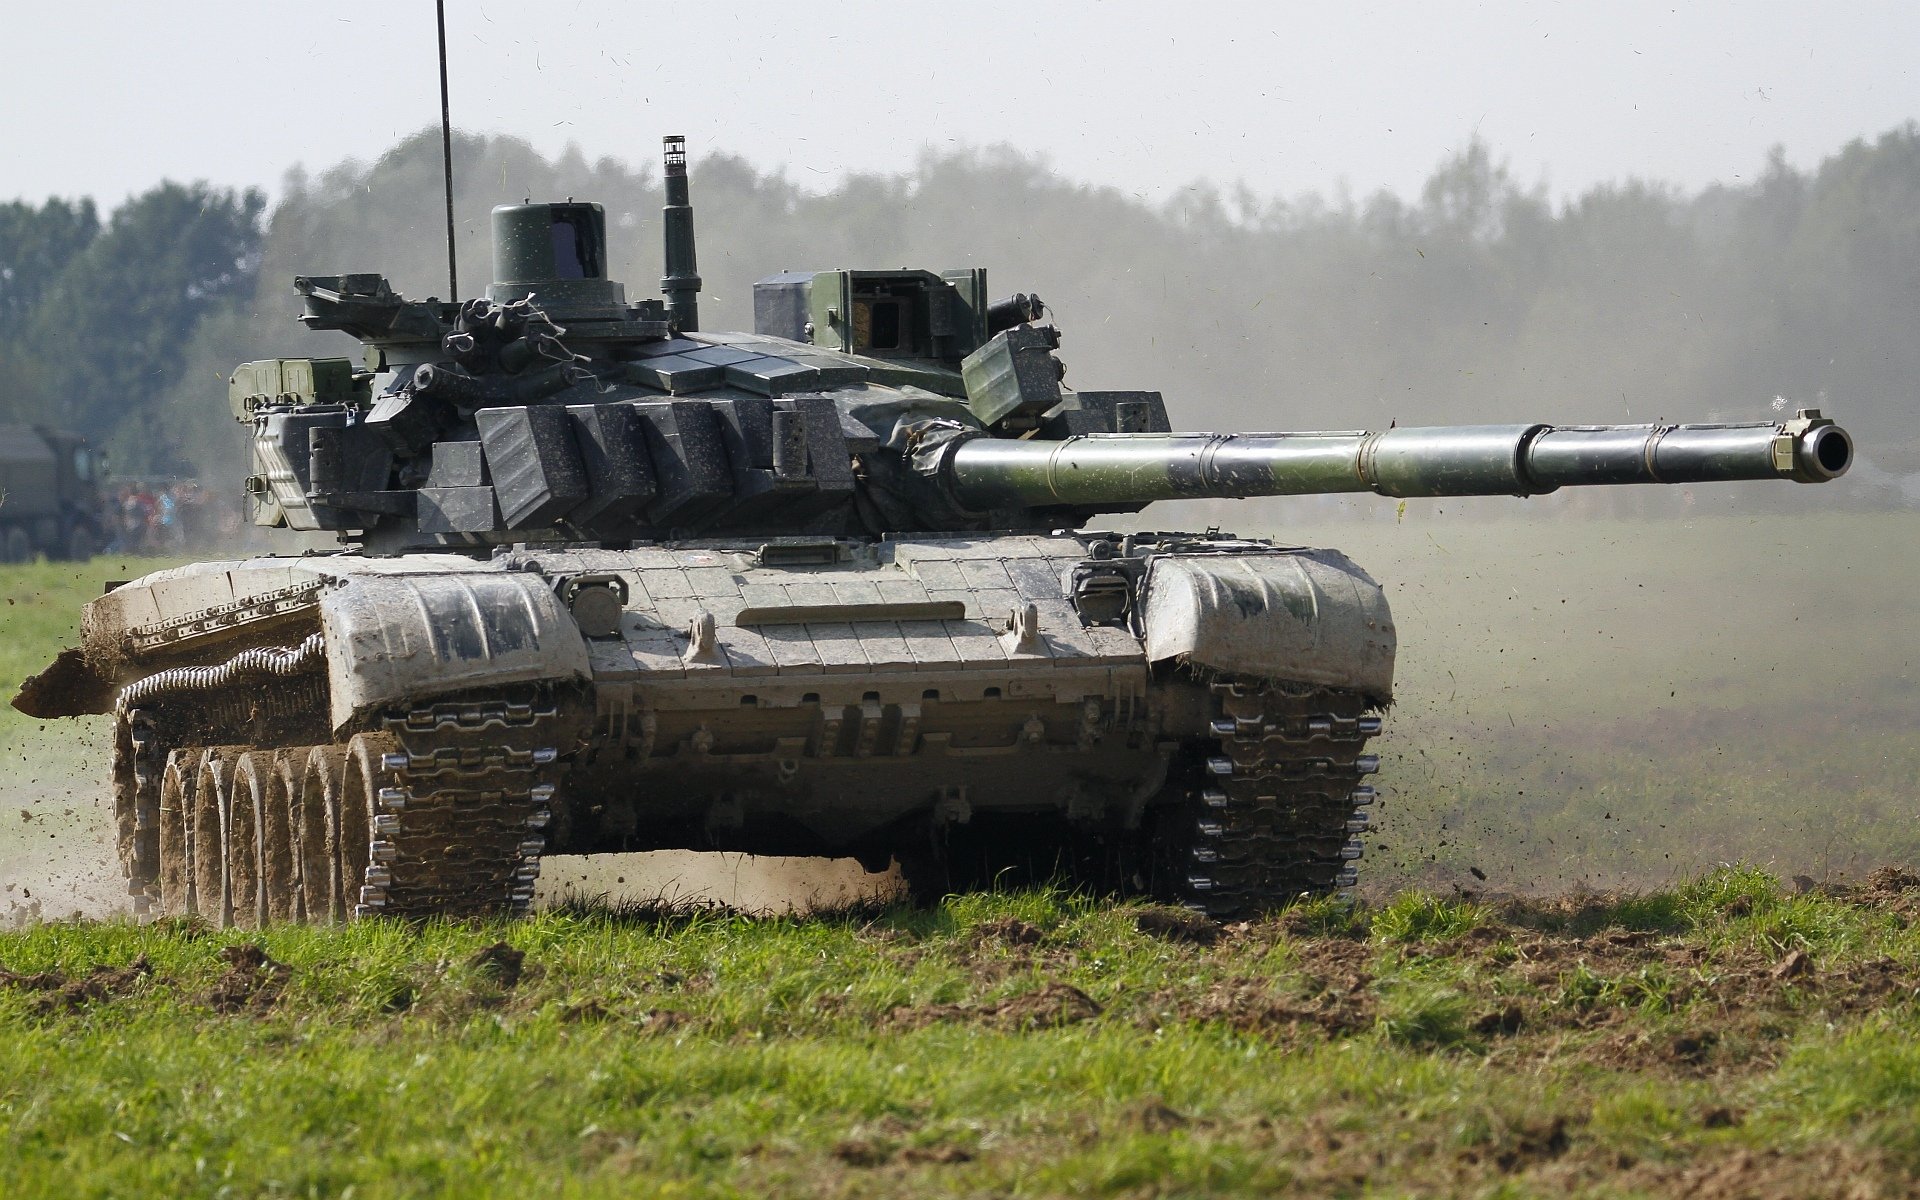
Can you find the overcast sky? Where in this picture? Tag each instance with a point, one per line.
(105, 99)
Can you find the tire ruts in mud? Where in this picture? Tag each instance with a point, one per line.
(455, 800)
(1272, 801)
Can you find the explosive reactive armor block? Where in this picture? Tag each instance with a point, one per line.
(538, 472)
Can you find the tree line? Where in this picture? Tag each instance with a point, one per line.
(1479, 300)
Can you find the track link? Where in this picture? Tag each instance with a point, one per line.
(138, 760)
(1275, 804)
(458, 798)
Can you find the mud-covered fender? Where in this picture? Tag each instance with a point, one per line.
(395, 640)
(1308, 616)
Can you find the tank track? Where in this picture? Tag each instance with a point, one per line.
(441, 812)
(1275, 803)
(460, 796)
(138, 760)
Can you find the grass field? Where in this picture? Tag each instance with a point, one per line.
(1721, 1039)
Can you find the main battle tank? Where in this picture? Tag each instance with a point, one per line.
(611, 582)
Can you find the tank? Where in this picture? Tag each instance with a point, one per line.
(610, 582)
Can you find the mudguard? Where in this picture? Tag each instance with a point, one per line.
(397, 639)
(1305, 616)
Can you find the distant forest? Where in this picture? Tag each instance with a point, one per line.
(1480, 301)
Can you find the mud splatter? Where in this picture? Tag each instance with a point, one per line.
(1176, 925)
(253, 982)
(1049, 1006)
(54, 991)
(499, 962)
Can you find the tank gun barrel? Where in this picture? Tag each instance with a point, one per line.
(1448, 460)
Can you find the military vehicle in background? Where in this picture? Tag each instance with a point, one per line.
(51, 495)
(612, 582)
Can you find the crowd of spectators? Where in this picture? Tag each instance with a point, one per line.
(165, 517)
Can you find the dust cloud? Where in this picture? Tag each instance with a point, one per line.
(56, 843)
(760, 886)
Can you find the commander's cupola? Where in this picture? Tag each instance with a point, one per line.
(556, 253)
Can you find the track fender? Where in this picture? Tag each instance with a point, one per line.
(399, 639)
(1306, 616)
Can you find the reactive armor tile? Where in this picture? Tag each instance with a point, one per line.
(671, 346)
(457, 464)
(537, 470)
(614, 451)
(677, 373)
(690, 461)
(458, 510)
(720, 356)
(772, 376)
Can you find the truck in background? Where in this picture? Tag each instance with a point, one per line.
(52, 486)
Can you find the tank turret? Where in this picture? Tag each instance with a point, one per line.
(614, 582)
(866, 403)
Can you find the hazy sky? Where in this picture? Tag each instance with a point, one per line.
(106, 98)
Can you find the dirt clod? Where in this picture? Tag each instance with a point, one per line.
(861, 1152)
(1174, 925)
(1009, 931)
(1794, 965)
(1692, 1047)
(56, 992)
(1504, 1021)
(1050, 1006)
(585, 1012)
(1157, 1116)
(1534, 1143)
(252, 982)
(500, 963)
(1887, 882)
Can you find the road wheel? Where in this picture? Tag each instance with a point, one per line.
(265, 774)
(359, 798)
(320, 837)
(248, 801)
(212, 801)
(176, 842)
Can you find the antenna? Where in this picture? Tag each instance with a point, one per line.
(446, 149)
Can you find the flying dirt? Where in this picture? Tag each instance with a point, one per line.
(612, 583)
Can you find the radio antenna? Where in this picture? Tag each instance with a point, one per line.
(446, 150)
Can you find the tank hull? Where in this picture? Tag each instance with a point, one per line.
(893, 700)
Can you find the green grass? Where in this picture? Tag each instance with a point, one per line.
(703, 1054)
